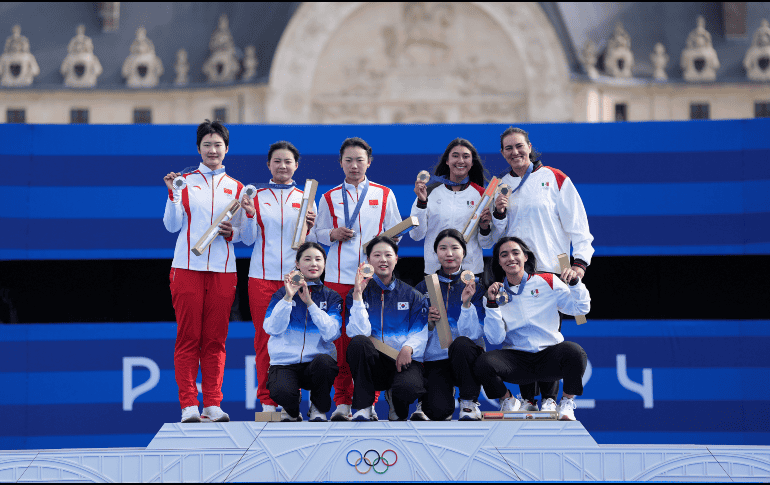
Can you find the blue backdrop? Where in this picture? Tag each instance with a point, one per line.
(657, 188)
(674, 188)
(656, 382)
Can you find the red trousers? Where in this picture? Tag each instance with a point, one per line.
(343, 384)
(260, 293)
(202, 301)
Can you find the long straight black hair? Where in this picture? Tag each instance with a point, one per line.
(311, 245)
(493, 272)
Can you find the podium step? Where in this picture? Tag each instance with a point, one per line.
(481, 451)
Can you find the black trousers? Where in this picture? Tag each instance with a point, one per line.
(548, 389)
(375, 371)
(441, 377)
(566, 360)
(317, 376)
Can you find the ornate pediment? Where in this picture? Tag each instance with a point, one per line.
(699, 59)
(142, 68)
(222, 65)
(18, 66)
(81, 67)
(757, 60)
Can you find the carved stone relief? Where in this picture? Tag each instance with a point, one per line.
(18, 66)
(142, 68)
(618, 58)
(699, 58)
(81, 67)
(416, 59)
(222, 65)
(413, 62)
(757, 60)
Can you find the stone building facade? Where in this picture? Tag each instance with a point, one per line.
(408, 62)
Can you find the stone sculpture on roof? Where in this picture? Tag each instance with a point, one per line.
(182, 68)
(18, 66)
(222, 65)
(699, 59)
(618, 58)
(659, 60)
(757, 60)
(250, 63)
(81, 67)
(142, 68)
(588, 57)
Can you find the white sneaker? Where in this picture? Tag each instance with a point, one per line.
(392, 415)
(510, 405)
(215, 414)
(366, 414)
(190, 414)
(567, 410)
(549, 405)
(314, 415)
(342, 413)
(286, 417)
(469, 411)
(527, 405)
(267, 408)
(418, 414)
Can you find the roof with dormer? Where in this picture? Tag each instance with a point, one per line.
(189, 25)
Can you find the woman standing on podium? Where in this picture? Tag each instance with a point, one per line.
(203, 287)
(450, 201)
(272, 219)
(546, 212)
(349, 215)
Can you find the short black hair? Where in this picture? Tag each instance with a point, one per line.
(356, 142)
(283, 145)
(493, 272)
(381, 239)
(213, 128)
(453, 233)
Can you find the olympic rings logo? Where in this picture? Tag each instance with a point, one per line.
(372, 464)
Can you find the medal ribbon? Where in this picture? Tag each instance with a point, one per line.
(349, 220)
(521, 285)
(443, 180)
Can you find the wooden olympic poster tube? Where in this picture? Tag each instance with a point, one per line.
(399, 229)
(437, 300)
(564, 265)
(308, 196)
(486, 198)
(384, 348)
(213, 230)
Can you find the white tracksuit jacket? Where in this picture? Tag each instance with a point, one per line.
(530, 321)
(193, 209)
(547, 213)
(449, 209)
(271, 230)
(379, 212)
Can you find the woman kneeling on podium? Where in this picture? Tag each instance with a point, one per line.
(523, 314)
(303, 321)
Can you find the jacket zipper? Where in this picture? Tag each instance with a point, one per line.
(382, 316)
(304, 336)
(208, 257)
